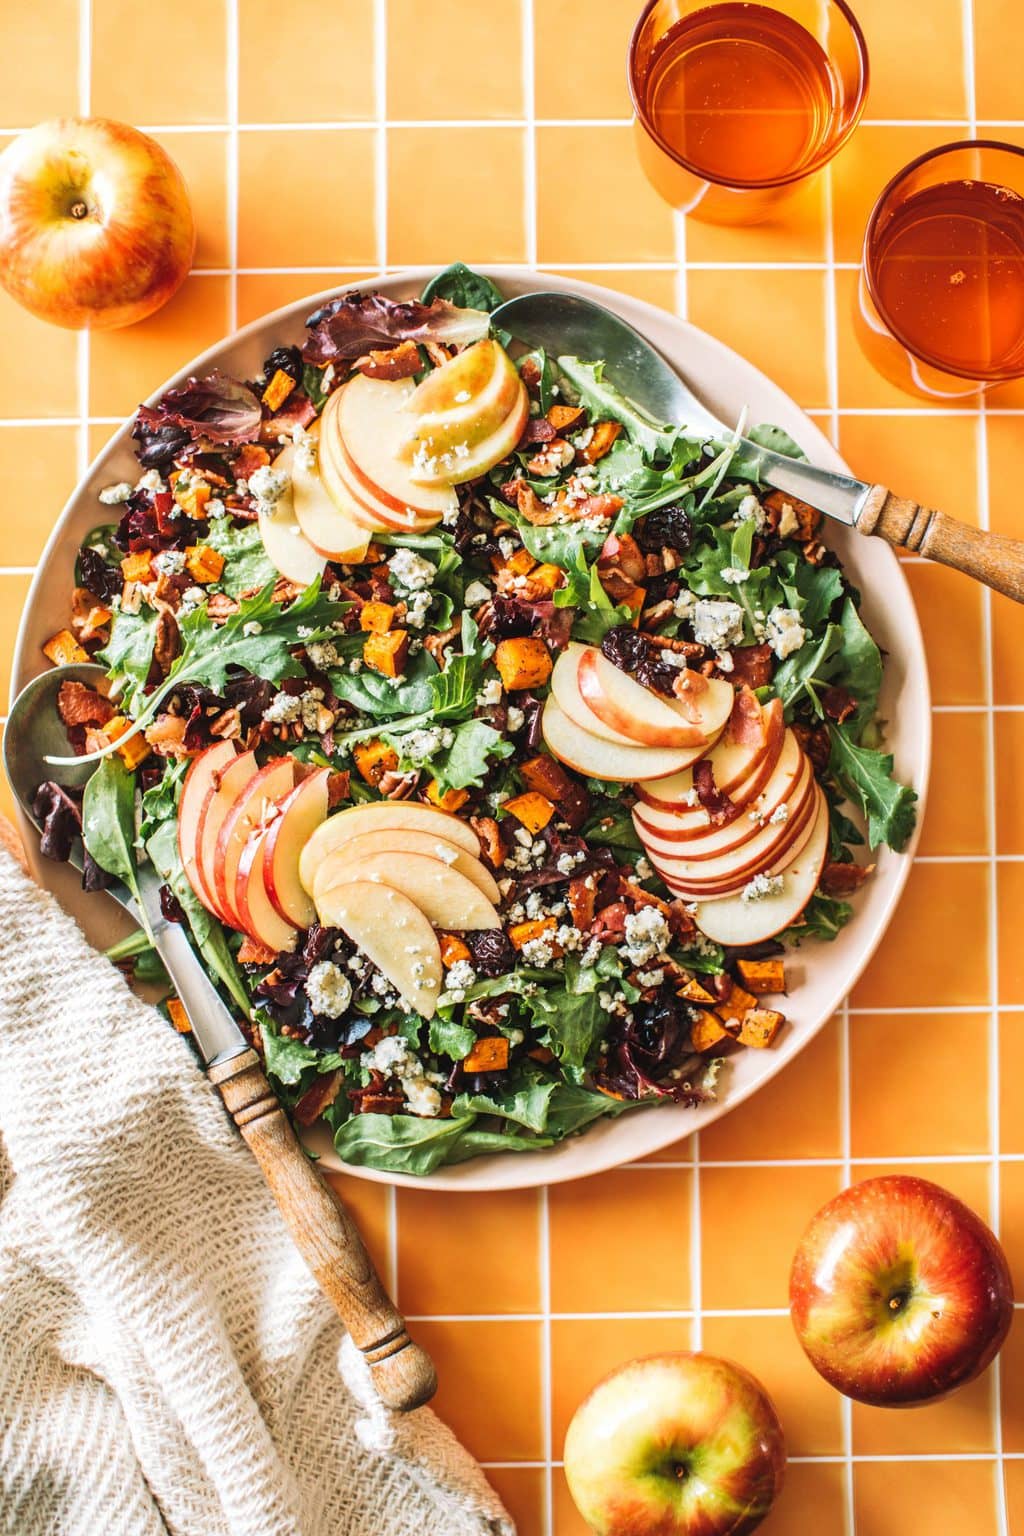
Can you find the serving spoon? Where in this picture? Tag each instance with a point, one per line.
(566, 325)
(323, 1231)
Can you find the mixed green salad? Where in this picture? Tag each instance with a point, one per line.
(596, 992)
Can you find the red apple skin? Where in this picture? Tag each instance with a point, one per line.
(96, 228)
(675, 1445)
(899, 1293)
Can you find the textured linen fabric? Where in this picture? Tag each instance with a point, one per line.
(167, 1363)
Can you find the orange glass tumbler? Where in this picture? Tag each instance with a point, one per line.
(737, 103)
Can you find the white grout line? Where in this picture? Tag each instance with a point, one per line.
(231, 167)
(392, 1220)
(528, 43)
(83, 455)
(380, 148)
(546, 1375)
(356, 125)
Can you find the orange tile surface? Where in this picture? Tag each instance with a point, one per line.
(347, 148)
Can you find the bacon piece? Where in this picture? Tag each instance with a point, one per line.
(687, 686)
(751, 666)
(536, 512)
(610, 922)
(492, 844)
(80, 705)
(338, 788)
(399, 362)
(746, 723)
(316, 1099)
(721, 810)
(838, 703)
(254, 953)
(621, 552)
(166, 736)
(844, 879)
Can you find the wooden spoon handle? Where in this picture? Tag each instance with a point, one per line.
(326, 1236)
(987, 557)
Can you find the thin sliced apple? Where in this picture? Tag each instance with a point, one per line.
(605, 759)
(304, 810)
(224, 791)
(740, 770)
(326, 529)
(330, 869)
(393, 934)
(252, 808)
(757, 841)
(444, 896)
(372, 423)
(464, 401)
(735, 868)
(455, 468)
(256, 912)
(720, 890)
(566, 691)
(283, 539)
(367, 503)
(202, 778)
(378, 815)
(644, 716)
(668, 829)
(736, 921)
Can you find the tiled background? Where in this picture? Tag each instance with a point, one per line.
(335, 138)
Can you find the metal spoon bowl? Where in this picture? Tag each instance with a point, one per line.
(35, 731)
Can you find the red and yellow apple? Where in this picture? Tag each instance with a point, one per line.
(899, 1293)
(96, 227)
(675, 1445)
(468, 415)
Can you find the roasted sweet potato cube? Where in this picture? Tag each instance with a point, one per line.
(203, 563)
(807, 518)
(138, 567)
(520, 564)
(521, 933)
(387, 653)
(706, 1031)
(761, 976)
(605, 433)
(736, 1004)
(693, 992)
(135, 750)
(278, 390)
(374, 759)
(546, 577)
(548, 777)
(566, 418)
(315, 1100)
(452, 949)
(177, 1015)
(487, 1055)
(377, 618)
(531, 809)
(446, 799)
(759, 1027)
(523, 663)
(193, 497)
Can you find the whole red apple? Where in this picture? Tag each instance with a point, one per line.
(96, 227)
(899, 1293)
(675, 1445)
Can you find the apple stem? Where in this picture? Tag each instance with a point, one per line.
(78, 210)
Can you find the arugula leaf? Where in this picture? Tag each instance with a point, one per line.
(477, 1143)
(546, 383)
(257, 639)
(867, 778)
(463, 287)
(245, 558)
(733, 550)
(765, 436)
(574, 1017)
(162, 848)
(108, 823)
(129, 651)
(822, 918)
(286, 1060)
(160, 801)
(611, 826)
(595, 613)
(382, 697)
(523, 1098)
(559, 543)
(447, 1038)
(859, 668)
(470, 755)
(812, 590)
(806, 668)
(454, 690)
(313, 384)
(605, 403)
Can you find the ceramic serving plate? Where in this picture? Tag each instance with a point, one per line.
(821, 974)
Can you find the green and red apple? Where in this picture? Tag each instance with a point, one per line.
(899, 1293)
(675, 1445)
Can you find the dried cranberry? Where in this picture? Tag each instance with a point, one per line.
(102, 580)
(491, 951)
(170, 906)
(632, 652)
(285, 360)
(666, 528)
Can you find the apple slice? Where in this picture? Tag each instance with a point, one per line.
(464, 401)
(757, 843)
(304, 810)
(283, 539)
(327, 530)
(740, 770)
(377, 815)
(256, 912)
(464, 462)
(733, 878)
(202, 778)
(221, 796)
(605, 759)
(443, 895)
(251, 809)
(372, 424)
(393, 934)
(736, 921)
(331, 869)
(668, 829)
(566, 691)
(646, 717)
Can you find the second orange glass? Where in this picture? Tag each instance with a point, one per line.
(737, 103)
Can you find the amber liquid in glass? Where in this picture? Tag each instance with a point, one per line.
(741, 92)
(948, 272)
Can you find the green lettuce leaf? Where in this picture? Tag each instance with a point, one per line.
(108, 822)
(867, 778)
(246, 564)
(463, 287)
(605, 403)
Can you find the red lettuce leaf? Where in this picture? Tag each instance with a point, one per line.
(358, 322)
(218, 408)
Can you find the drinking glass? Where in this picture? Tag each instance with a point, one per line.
(737, 103)
(940, 301)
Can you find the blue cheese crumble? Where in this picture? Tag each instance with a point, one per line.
(410, 571)
(328, 989)
(784, 632)
(717, 623)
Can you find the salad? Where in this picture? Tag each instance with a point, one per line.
(495, 743)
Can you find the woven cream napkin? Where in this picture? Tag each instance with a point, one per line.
(167, 1363)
